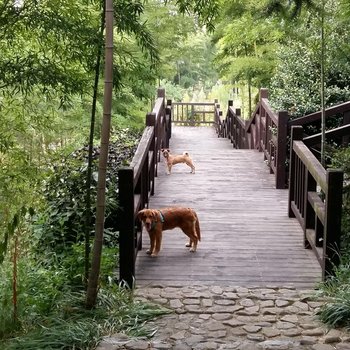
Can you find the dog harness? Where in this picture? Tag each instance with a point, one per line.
(161, 217)
(161, 220)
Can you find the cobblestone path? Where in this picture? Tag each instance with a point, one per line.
(213, 317)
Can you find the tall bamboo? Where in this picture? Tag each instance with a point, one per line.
(323, 112)
(88, 222)
(91, 293)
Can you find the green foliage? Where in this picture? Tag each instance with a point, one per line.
(205, 11)
(47, 60)
(287, 8)
(246, 45)
(63, 220)
(184, 45)
(63, 58)
(340, 159)
(295, 86)
(336, 311)
(63, 322)
(173, 91)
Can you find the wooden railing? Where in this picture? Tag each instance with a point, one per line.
(268, 131)
(194, 113)
(315, 199)
(136, 185)
(341, 134)
(265, 131)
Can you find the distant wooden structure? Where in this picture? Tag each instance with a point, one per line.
(194, 113)
(251, 236)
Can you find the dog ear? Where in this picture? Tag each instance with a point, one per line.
(140, 214)
(162, 150)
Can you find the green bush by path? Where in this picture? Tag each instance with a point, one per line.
(70, 326)
(336, 311)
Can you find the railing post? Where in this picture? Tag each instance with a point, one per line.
(259, 138)
(145, 183)
(224, 126)
(309, 213)
(331, 244)
(238, 115)
(281, 149)
(216, 117)
(296, 135)
(192, 116)
(151, 121)
(264, 93)
(126, 221)
(169, 120)
(229, 118)
(161, 92)
(346, 121)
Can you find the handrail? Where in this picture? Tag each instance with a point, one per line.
(340, 132)
(136, 185)
(265, 131)
(315, 199)
(193, 113)
(342, 108)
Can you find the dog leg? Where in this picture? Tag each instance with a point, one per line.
(194, 246)
(190, 164)
(158, 243)
(152, 243)
(191, 233)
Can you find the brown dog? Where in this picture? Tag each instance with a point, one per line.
(175, 159)
(156, 221)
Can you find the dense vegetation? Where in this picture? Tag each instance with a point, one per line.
(49, 61)
(50, 57)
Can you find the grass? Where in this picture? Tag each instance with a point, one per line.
(71, 326)
(336, 311)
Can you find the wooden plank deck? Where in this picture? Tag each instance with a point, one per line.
(247, 237)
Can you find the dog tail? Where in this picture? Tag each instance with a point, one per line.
(186, 154)
(198, 230)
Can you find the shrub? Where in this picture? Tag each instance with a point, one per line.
(70, 326)
(336, 312)
(62, 222)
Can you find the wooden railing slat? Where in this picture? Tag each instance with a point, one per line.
(318, 205)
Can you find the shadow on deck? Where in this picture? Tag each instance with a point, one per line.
(247, 237)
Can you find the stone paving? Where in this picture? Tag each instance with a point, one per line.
(216, 317)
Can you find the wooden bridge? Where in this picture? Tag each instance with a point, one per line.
(254, 229)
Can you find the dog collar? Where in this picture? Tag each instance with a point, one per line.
(161, 220)
(161, 217)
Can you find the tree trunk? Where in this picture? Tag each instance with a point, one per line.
(249, 97)
(323, 112)
(14, 280)
(91, 293)
(91, 145)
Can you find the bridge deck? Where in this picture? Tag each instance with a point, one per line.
(247, 237)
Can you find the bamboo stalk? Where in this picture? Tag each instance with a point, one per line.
(91, 294)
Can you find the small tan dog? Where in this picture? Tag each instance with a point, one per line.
(158, 220)
(172, 160)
